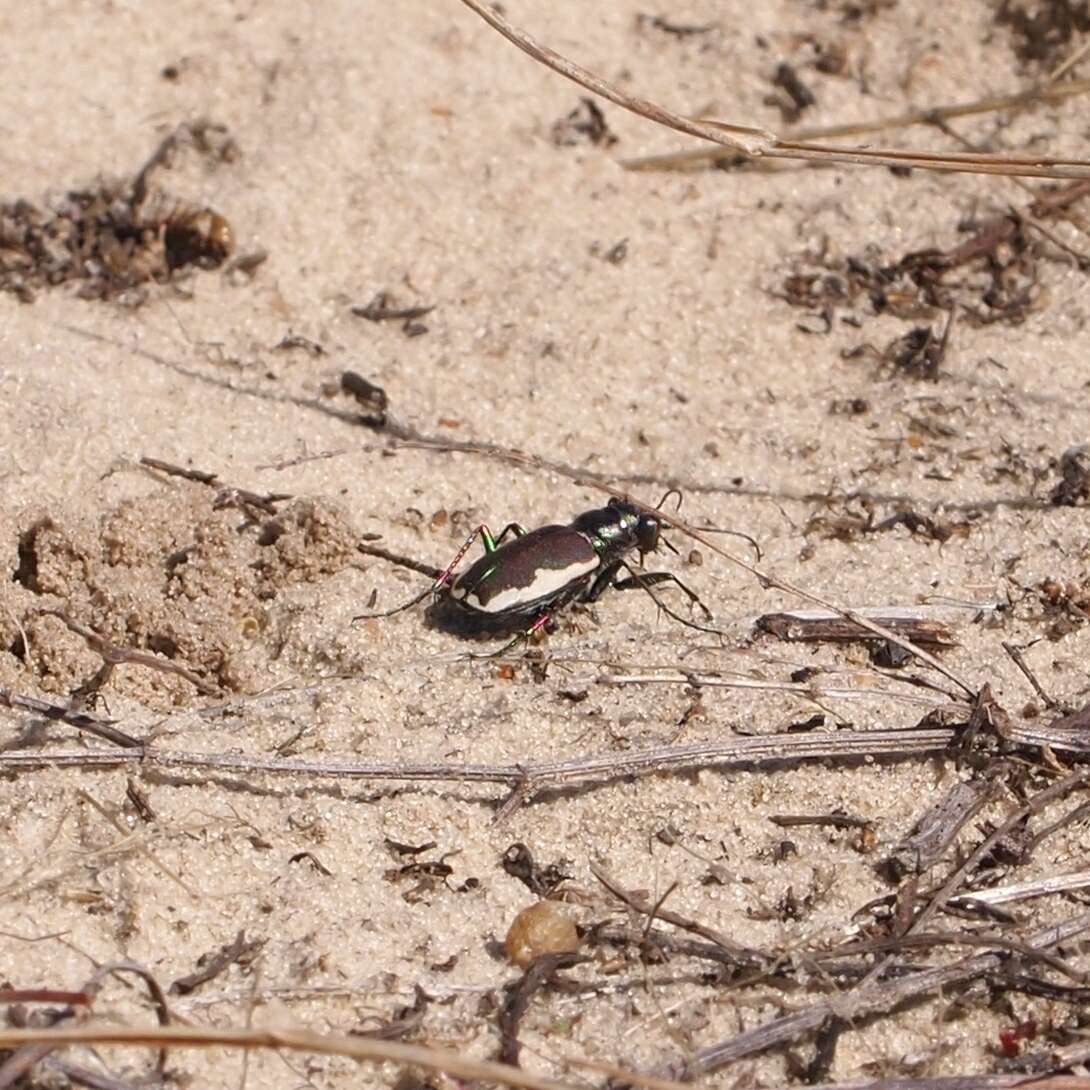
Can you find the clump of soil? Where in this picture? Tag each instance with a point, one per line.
(176, 575)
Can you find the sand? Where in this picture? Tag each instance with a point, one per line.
(408, 149)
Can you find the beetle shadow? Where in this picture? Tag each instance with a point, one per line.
(446, 616)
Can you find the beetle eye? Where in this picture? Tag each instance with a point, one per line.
(647, 534)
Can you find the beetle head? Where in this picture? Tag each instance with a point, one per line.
(620, 527)
(647, 532)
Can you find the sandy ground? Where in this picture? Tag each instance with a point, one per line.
(406, 148)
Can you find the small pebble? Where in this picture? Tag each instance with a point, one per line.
(544, 928)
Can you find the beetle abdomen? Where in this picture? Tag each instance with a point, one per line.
(541, 567)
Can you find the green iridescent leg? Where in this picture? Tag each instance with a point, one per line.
(491, 544)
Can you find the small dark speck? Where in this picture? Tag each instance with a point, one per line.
(616, 254)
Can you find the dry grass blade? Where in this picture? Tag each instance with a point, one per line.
(638, 903)
(364, 1049)
(103, 728)
(1019, 891)
(755, 142)
(1034, 806)
(113, 655)
(811, 690)
(937, 827)
(963, 1082)
(742, 138)
(942, 1082)
(698, 157)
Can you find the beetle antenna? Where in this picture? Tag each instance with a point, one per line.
(752, 542)
(666, 495)
(677, 524)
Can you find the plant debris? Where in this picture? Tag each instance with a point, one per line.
(519, 863)
(792, 96)
(382, 309)
(668, 26)
(586, 124)
(1042, 30)
(239, 951)
(847, 525)
(1074, 486)
(373, 398)
(992, 277)
(820, 626)
(114, 237)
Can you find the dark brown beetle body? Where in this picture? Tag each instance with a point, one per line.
(549, 567)
(517, 585)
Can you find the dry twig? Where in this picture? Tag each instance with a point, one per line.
(756, 142)
(862, 1002)
(364, 1049)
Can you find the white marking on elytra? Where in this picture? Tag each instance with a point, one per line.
(546, 581)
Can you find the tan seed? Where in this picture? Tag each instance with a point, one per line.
(544, 928)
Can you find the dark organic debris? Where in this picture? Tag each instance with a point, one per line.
(854, 11)
(292, 340)
(114, 237)
(382, 309)
(586, 124)
(890, 655)
(668, 26)
(849, 406)
(405, 1022)
(371, 397)
(398, 848)
(198, 237)
(313, 860)
(1041, 31)
(425, 874)
(792, 95)
(240, 951)
(1074, 486)
(517, 995)
(1076, 720)
(617, 253)
(519, 863)
(838, 819)
(991, 277)
(917, 354)
(1066, 606)
(847, 525)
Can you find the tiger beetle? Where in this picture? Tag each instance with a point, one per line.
(524, 581)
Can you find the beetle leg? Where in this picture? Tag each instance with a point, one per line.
(650, 579)
(605, 578)
(540, 623)
(491, 544)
